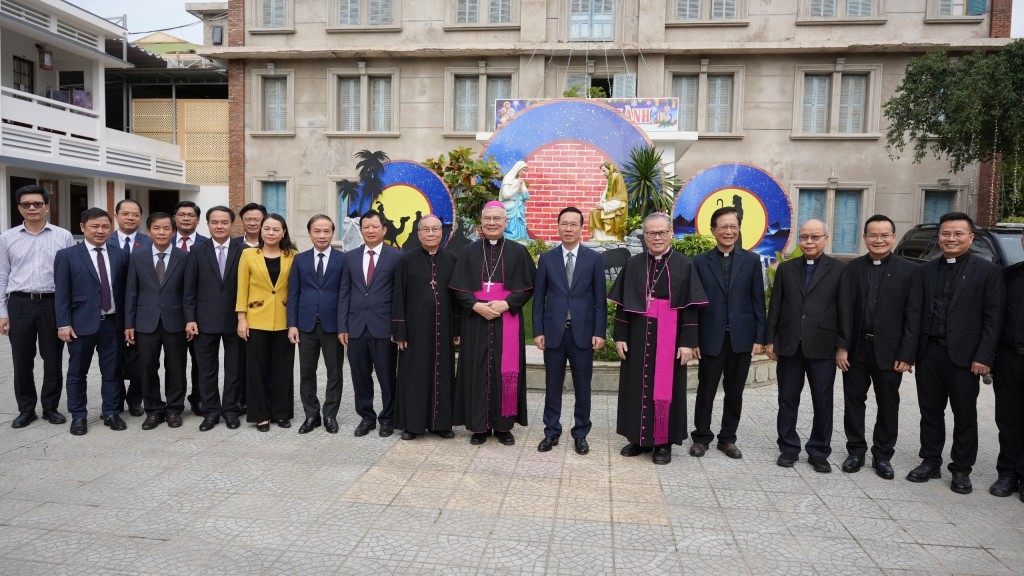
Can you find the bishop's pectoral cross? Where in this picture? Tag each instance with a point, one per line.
(488, 284)
(433, 283)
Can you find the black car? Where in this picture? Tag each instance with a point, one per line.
(999, 244)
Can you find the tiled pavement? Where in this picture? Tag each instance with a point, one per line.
(241, 502)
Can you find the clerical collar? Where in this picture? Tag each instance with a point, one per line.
(954, 260)
(725, 254)
(657, 256)
(494, 242)
(882, 261)
(809, 262)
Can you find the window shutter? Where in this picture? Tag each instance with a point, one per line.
(466, 12)
(348, 12)
(817, 93)
(275, 198)
(467, 94)
(685, 88)
(348, 104)
(380, 12)
(500, 11)
(273, 13)
(976, 7)
(723, 10)
(719, 108)
(624, 86)
(602, 26)
(579, 20)
(937, 203)
(857, 8)
(811, 205)
(275, 103)
(498, 88)
(823, 8)
(846, 220)
(687, 9)
(581, 79)
(852, 98)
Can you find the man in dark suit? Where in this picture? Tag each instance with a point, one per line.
(731, 329)
(155, 320)
(89, 302)
(211, 286)
(364, 323)
(570, 320)
(879, 322)
(802, 324)
(186, 220)
(1008, 387)
(313, 322)
(961, 319)
(128, 237)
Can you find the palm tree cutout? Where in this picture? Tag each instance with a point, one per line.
(369, 187)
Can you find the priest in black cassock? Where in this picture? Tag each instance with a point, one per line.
(425, 325)
(493, 280)
(655, 332)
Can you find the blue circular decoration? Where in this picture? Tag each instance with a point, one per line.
(409, 190)
(768, 215)
(584, 121)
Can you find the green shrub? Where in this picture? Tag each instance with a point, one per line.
(693, 244)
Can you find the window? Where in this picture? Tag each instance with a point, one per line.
(937, 203)
(843, 218)
(467, 94)
(498, 88)
(364, 13)
(273, 102)
(483, 11)
(835, 9)
(709, 99)
(22, 74)
(837, 102)
(705, 10)
(272, 16)
(615, 85)
(962, 7)
(275, 197)
(591, 20)
(471, 95)
(363, 100)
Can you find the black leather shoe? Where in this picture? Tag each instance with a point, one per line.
(114, 423)
(385, 431)
(242, 409)
(286, 423)
(136, 410)
(581, 446)
(479, 438)
(924, 473)
(174, 420)
(208, 424)
(195, 409)
(547, 444)
(820, 465)
(152, 421)
(406, 435)
(232, 422)
(24, 419)
(853, 463)
(883, 468)
(264, 427)
(698, 449)
(730, 450)
(364, 427)
(446, 434)
(663, 454)
(787, 460)
(505, 438)
(961, 483)
(630, 450)
(1004, 486)
(331, 424)
(308, 424)
(54, 417)
(79, 427)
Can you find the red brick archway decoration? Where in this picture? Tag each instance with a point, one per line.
(559, 174)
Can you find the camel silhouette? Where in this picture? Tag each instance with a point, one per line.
(391, 233)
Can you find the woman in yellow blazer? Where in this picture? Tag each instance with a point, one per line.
(262, 322)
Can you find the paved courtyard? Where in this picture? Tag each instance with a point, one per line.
(241, 502)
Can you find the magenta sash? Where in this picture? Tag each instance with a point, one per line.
(509, 354)
(664, 364)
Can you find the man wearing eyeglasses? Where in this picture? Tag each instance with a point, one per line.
(129, 238)
(802, 325)
(961, 320)
(27, 313)
(879, 323)
(186, 220)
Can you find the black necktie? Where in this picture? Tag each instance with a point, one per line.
(127, 245)
(160, 267)
(320, 268)
(101, 263)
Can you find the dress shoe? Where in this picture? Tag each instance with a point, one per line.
(136, 410)
(853, 463)
(54, 417)
(961, 483)
(364, 427)
(264, 427)
(787, 460)
(446, 434)
(285, 423)
(663, 454)
(331, 424)
(698, 449)
(505, 438)
(581, 446)
(24, 419)
(114, 422)
(152, 421)
(309, 424)
(479, 438)
(232, 422)
(730, 450)
(174, 420)
(208, 424)
(1004, 486)
(924, 473)
(820, 465)
(406, 435)
(79, 427)
(883, 468)
(630, 450)
(242, 408)
(194, 407)
(547, 444)
(385, 431)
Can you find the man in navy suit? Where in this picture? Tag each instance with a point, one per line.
(155, 319)
(313, 322)
(211, 285)
(128, 237)
(364, 323)
(186, 220)
(731, 329)
(569, 323)
(89, 303)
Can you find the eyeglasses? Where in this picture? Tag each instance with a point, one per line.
(130, 214)
(658, 234)
(253, 219)
(879, 236)
(959, 235)
(493, 219)
(570, 225)
(185, 216)
(812, 237)
(727, 228)
(37, 205)
(431, 230)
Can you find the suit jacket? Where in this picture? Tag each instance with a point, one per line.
(147, 302)
(209, 299)
(77, 294)
(975, 315)
(742, 309)
(805, 317)
(897, 321)
(264, 303)
(240, 242)
(553, 298)
(312, 298)
(367, 308)
(141, 241)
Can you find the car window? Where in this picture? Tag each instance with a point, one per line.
(1011, 248)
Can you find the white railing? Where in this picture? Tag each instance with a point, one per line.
(51, 22)
(50, 115)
